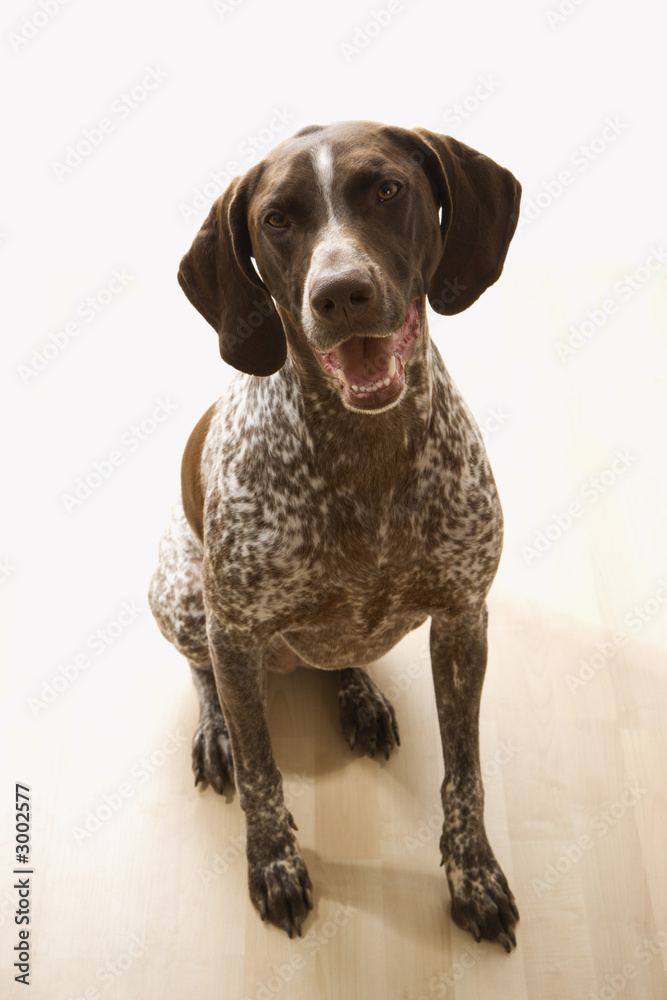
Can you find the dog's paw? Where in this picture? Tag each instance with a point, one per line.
(367, 718)
(212, 753)
(280, 886)
(483, 903)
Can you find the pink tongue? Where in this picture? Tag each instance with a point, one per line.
(365, 357)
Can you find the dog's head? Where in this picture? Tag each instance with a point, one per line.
(350, 226)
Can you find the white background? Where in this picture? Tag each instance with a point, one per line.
(554, 87)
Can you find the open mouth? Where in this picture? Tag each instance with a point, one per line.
(371, 370)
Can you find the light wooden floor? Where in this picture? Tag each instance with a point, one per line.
(153, 903)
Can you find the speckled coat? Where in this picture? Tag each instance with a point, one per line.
(336, 501)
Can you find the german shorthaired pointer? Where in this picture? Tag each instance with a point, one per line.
(336, 502)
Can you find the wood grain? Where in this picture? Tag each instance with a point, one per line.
(153, 903)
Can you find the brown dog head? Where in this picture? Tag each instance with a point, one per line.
(350, 225)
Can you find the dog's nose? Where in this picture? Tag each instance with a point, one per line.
(344, 293)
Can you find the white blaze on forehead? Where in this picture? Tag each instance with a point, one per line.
(332, 240)
(323, 158)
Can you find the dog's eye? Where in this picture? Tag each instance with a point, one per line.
(277, 220)
(388, 190)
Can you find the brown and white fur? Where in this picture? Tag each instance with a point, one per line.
(339, 493)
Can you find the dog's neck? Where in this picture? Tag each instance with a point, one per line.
(358, 450)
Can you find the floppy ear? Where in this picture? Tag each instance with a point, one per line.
(220, 281)
(480, 210)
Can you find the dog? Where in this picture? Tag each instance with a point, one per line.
(339, 494)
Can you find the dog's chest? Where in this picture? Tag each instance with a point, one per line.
(291, 551)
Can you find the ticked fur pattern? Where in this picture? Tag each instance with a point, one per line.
(328, 534)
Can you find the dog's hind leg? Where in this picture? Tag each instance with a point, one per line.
(175, 592)
(367, 718)
(175, 598)
(211, 748)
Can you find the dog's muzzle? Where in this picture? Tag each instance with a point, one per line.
(371, 369)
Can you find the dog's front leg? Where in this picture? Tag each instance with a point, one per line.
(482, 901)
(277, 876)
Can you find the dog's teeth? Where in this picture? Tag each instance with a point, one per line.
(355, 388)
(391, 370)
(340, 374)
(387, 381)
